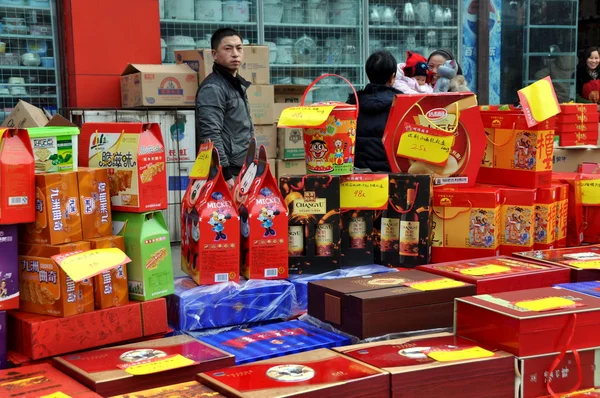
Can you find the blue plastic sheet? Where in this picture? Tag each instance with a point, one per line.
(591, 288)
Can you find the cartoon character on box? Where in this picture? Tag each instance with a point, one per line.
(190, 228)
(318, 149)
(481, 231)
(267, 214)
(541, 223)
(338, 153)
(516, 226)
(525, 152)
(218, 219)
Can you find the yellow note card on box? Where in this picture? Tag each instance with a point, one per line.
(539, 101)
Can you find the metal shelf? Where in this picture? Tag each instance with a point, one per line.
(315, 66)
(549, 54)
(553, 27)
(11, 36)
(194, 22)
(26, 7)
(26, 67)
(29, 96)
(411, 27)
(308, 26)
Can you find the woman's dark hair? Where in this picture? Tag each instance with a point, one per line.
(588, 52)
(380, 67)
(448, 55)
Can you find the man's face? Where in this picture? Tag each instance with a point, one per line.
(230, 53)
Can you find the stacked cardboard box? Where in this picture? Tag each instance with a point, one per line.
(290, 141)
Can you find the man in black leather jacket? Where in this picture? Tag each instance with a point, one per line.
(375, 102)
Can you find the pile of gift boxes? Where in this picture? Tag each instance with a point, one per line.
(577, 125)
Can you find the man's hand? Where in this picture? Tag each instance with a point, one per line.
(594, 96)
(230, 182)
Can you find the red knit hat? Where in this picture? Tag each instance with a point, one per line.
(414, 61)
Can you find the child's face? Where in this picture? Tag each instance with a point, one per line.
(421, 80)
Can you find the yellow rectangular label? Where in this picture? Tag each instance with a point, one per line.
(485, 270)
(202, 164)
(435, 284)
(460, 355)
(545, 304)
(590, 192)
(369, 194)
(161, 365)
(429, 148)
(305, 116)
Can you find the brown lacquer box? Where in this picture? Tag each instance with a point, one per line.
(191, 389)
(376, 305)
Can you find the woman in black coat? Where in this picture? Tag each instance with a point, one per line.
(375, 102)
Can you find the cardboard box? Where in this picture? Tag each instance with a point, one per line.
(314, 222)
(414, 374)
(41, 380)
(109, 377)
(517, 220)
(287, 96)
(256, 343)
(55, 147)
(568, 160)
(150, 272)
(290, 144)
(260, 99)
(512, 321)
(255, 68)
(466, 223)
(58, 212)
(25, 115)
(501, 274)
(94, 197)
(158, 85)
(582, 261)
(134, 154)
(370, 306)
(545, 219)
(290, 167)
(17, 173)
(189, 389)
(9, 268)
(30, 333)
(110, 287)
(321, 373)
(267, 137)
(45, 288)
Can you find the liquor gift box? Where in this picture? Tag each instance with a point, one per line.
(194, 307)
(9, 268)
(530, 322)
(403, 230)
(515, 154)
(274, 340)
(517, 220)
(438, 134)
(38, 336)
(466, 223)
(313, 222)
(124, 369)
(191, 389)
(584, 261)
(415, 374)
(501, 274)
(545, 219)
(369, 306)
(40, 381)
(319, 373)
(134, 154)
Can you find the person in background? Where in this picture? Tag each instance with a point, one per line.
(222, 110)
(438, 58)
(588, 73)
(375, 102)
(412, 76)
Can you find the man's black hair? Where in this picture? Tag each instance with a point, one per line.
(220, 34)
(381, 65)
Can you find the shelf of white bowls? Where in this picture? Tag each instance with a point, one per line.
(197, 22)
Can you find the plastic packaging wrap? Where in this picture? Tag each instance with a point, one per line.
(301, 281)
(591, 288)
(274, 340)
(194, 307)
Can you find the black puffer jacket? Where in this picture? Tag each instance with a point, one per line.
(375, 102)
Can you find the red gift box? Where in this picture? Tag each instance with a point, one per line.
(562, 213)
(565, 128)
(530, 322)
(517, 220)
(39, 336)
(575, 224)
(588, 117)
(591, 233)
(571, 109)
(545, 219)
(589, 168)
(583, 261)
(501, 274)
(578, 139)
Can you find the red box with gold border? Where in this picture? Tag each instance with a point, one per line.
(562, 213)
(39, 336)
(39, 381)
(545, 219)
(191, 389)
(517, 220)
(106, 370)
(318, 373)
(578, 109)
(515, 154)
(573, 128)
(587, 117)
(501, 274)
(534, 372)
(466, 223)
(443, 114)
(578, 139)
(584, 261)
(530, 322)
(415, 374)
(575, 225)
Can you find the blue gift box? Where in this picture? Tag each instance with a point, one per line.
(274, 340)
(194, 307)
(589, 288)
(301, 281)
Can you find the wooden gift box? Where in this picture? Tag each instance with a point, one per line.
(414, 374)
(320, 373)
(99, 369)
(191, 389)
(577, 259)
(376, 305)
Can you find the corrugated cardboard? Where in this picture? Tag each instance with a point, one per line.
(286, 96)
(291, 167)
(158, 85)
(568, 160)
(260, 99)
(255, 67)
(25, 115)
(290, 144)
(267, 136)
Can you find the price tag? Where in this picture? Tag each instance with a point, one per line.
(157, 365)
(485, 270)
(84, 265)
(435, 284)
(425, 144)
(305, 116)
(539, 101)
(546, 304)
(364, 191)
(460, 355)
(590, 192)
(57, 394)
(202, 164)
